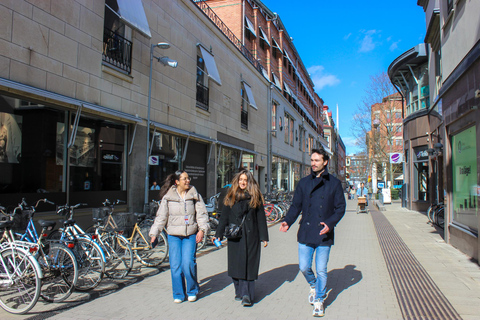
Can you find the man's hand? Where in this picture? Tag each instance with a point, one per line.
(199, 236)
(325, 229)
(152, 239)
(284, 227)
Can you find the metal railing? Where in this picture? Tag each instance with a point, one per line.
(117, 50)
(228, 33)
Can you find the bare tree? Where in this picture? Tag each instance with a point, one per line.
(378, 124)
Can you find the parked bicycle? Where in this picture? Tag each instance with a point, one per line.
(146, 253)
(90, 256)
(436, 214)
(20, 276)
(58, 262)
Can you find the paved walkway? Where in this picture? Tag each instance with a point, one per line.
(360, 286)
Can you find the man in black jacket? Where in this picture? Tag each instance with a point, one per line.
(319, 198)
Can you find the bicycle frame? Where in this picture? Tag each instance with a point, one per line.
(30, 234)
(134, 247)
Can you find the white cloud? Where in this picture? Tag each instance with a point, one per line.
(322, 79)
(347, 36)
(368, 43)
(350, 145)
(394, 46)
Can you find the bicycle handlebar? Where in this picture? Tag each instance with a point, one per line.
(108, 203)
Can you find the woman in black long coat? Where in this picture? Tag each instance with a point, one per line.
(244, 199)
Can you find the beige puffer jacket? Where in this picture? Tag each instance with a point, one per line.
(173, 211)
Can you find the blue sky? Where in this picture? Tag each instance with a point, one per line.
(343, 43)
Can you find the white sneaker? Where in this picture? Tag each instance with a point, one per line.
(177, 301)
(318, 310)
(311, 295)
(192, 298)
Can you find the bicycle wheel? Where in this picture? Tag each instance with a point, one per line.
(202, 243)
(119, 255)
(91, 264)
(55, 235)
(148, 256)
(430, 213)
(440, 217)
(60, 272)
(20, 281)
(270, 214)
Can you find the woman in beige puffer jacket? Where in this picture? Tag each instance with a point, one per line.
(184, 215)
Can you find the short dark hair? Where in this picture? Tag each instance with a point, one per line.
(322, 152)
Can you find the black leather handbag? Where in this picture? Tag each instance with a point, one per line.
(233, 231)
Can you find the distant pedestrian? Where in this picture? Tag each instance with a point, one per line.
(320, 199)
(352, 192)
(183, 213)
(244, 201)
(362, 191)
(155, 186)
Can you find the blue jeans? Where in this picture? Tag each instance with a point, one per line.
(183, 265)
(305, 258)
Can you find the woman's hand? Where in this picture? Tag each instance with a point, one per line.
(152, 239)
(213, 240)
(265, 244)
(200, 235)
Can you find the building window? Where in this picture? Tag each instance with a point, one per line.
(117, 49)
(244, 109)
(449, 6)
(227, 166)
(310, 144)
(301, 145)
(289, 129)
(274, 119)
(279, 173)
(420, 175)
(202, 84)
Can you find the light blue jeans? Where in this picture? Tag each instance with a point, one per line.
(305, 259)
(183, 265)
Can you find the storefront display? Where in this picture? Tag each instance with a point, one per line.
(33, 144)
(465, 187)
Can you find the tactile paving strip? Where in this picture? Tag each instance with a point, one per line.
(417, 294)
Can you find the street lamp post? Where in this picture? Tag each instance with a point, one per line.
(166, 62)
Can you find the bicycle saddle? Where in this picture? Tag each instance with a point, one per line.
(68, 223)
(140, 217)
(47, 224)
(8, 224)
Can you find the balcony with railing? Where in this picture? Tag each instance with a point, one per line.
(228, 33)
(117, 51)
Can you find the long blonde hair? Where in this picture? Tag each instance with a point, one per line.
(253, 190)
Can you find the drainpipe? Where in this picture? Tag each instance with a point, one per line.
(269, 138)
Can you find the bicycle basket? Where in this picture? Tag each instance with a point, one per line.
(20, 220)
(124, 221)
(152, 209)
(100, 213)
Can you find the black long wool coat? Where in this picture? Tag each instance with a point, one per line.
(244, 254)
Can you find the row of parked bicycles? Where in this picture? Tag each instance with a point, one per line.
(55, 262)
(436, 214)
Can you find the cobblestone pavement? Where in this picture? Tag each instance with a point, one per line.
(359, 284)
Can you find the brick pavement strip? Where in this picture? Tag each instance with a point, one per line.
(359, 284)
